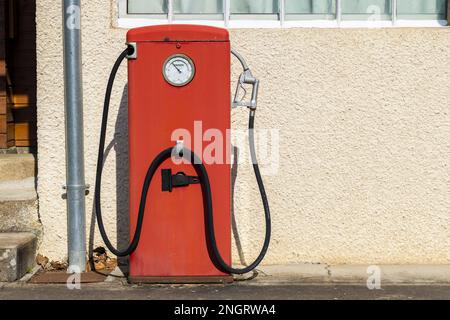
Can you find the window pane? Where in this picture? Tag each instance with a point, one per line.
(436, 7)
(310, 7)
(147, 6)
(198, 6)
(254, 6)
(367, 9)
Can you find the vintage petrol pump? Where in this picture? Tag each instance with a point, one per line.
(179, 78)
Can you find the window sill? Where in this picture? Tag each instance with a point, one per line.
(128, 23)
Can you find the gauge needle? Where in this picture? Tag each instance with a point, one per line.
(176, 67)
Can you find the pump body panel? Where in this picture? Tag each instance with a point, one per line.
(173, 241)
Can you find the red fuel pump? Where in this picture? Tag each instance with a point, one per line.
(179, 81)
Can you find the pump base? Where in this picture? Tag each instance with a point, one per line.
(182, 280)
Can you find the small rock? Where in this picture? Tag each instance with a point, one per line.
(41, 260)
(117, 272)
(59, 266)
(99, 266)
(111, 264)
(48, 267)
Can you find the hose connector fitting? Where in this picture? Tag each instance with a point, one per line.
(131, 50)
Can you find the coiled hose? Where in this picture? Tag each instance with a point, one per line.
(202, 173)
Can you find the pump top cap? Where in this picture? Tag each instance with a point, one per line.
(177, 32)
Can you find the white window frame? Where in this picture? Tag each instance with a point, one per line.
(127, 21)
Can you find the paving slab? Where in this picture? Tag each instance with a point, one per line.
(235, 291)
(17, 255)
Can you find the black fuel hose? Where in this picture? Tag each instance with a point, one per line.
(204, 181)
(100, 162)
(209, 217)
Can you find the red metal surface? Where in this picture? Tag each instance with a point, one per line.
(178, 32)
(173, 241)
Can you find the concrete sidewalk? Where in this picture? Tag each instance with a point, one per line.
(236, 291)
(303, 282)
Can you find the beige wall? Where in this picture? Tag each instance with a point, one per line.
(364, 138)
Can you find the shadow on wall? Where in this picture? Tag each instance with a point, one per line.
(234, 227)
(120, 145)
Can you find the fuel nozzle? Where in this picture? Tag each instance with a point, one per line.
(246, 78)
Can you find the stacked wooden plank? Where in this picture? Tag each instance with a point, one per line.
(17, 73)
(21, 61)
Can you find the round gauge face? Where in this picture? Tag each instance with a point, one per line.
(178, 70)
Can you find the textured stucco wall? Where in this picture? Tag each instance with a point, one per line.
(364, 139)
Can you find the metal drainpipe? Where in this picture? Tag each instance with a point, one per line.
(76, 186)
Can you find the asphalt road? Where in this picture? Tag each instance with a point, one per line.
(236, 291)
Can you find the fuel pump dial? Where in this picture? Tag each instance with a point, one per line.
(178, 70)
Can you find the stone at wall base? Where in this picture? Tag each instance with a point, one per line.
(17, 255)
